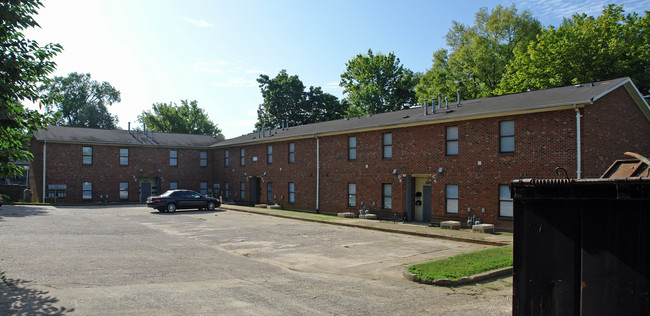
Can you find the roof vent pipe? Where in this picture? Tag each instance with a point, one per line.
(426, 107)
(276, 130)
(446, 102)
(129, 131)
(433, 106)
(259, 132)
(458, 96)
(440, 100)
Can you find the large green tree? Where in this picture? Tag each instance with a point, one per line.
(82, 102)
(285, 100)
(186, 118)
(377, 83)
(478, 54)
(23, 66)
(585, 49)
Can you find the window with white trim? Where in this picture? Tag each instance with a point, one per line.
(452, 140)
(87, 190)
(242, 157)
(352, 194)
(242, 190)
(226, 158)
(292, 152)
(269, 154)
(124, 156)
(269, 191)
(387, 142)
(505, 202)
(387, 196)
(507, 136)
(352, 148)
(173, 158)
(87, 153)
(452, 198)
(124, 190)
(203, 188)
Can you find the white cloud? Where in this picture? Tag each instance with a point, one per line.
(199, 22)
(237, 83)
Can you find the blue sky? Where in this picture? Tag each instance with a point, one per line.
(212, 51)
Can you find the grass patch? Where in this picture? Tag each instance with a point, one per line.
(464, 265)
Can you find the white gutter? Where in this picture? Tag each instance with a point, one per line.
(317, 172)
(578, 140)
(44, 171)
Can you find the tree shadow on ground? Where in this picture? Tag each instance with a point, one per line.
(20, 211)
(16, 298)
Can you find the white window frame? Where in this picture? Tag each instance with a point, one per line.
(203, 159)
(352, 194)
(507, 136)
(352, 148)
(269, 154)
(387, 145)
(87, 190)
(292, 152)
(387, 196)
(452, 140)
(124, 156)
(451, 195)
(173, 158)
(203, 188)
(87, 154)
(506, 203)
(242, 157)
(292, 192)
(124, 190)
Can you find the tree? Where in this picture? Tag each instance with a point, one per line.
(81, 101)
(24, 64)
(584, 49)
(285, 99)
(479, 54)
(377, 84)
(187, 118)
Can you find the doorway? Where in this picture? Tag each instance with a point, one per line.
(422, 199)
(256, 193)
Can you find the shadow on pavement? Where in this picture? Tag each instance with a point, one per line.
(186, 212)
(16, 298)
(20, 211)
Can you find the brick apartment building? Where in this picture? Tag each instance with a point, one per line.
(426, 164)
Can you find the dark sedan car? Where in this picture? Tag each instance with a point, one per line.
(172, 200)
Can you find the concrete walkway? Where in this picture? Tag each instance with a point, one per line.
(398, 228)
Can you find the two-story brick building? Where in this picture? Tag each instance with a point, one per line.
(427, 164)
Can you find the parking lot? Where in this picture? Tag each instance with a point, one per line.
(132, 260)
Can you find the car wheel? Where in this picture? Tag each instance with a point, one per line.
(171, 207)
(211, 206)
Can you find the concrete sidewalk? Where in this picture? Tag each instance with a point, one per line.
(398, 228)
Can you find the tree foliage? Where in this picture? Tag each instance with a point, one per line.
(186, 118)
(478, 54)
(81, 101)
(23, 65)
(285, 99)
(585, 49)
(377, 83)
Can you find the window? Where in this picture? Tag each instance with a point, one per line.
(227, 190)
(124, 190)
(505, 202)
(217, 190)
(387, 196)
(452, 199)
(204, 188)
(388, 145)
(269, 154)
(124, 156)
(242, 155)
(173, 185)
(226, 158)
(352, 194)
(87, 190)
(203, 159)
(269, 191)
(292, 192)
(352, 148)
(507, 136)
(292, 152)
(87, 155)
(452, 140)
(242, 190)
(173, 158)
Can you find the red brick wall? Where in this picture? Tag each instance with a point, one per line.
(611, 126)
(64, 166)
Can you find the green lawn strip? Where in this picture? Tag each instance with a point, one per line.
(464, 265)
(310, 215)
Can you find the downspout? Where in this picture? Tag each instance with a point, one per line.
(317, 173)
(44, 171)
(578, 141)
